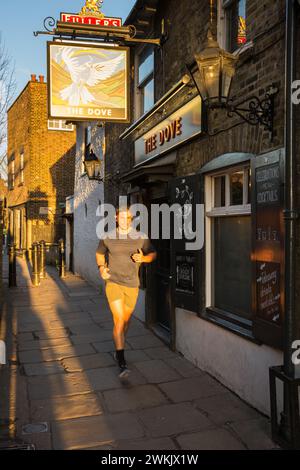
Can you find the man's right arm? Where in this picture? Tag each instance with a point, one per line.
(101, 261)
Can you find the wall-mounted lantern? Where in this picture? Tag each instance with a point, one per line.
(92, 166)
(213, 77)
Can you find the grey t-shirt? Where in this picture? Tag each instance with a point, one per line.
(119, 251)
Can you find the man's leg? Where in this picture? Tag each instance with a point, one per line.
(128, 315)
(118, 311)
(130, 299)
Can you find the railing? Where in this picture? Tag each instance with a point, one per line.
(38, 258)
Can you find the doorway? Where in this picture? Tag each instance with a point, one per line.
(160, 286)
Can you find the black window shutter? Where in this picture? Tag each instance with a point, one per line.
(187, 266)
(268, 248)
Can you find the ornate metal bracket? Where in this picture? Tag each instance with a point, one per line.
(126, 34)
(259, 111)
(49, 24)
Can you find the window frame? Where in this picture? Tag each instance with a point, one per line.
(229, 320)
(12, 172)
(140, 86)
(60, 127)
(22, 167)
(223, 33)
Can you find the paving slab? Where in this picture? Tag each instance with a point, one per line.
(226, 408)
(135, 398)
(68, 407)
(101, 336)
(183, 366)
(215, 439)
(135, 355)
(30, 327)
(107, 378)
(94, 361)
(88, 329)
(61, 352)
(192, 388)
(94, 431)
(58, 385)
(160, 353)
(43, 344)
(72, 320)
(157, 371)
(41, 441)
(107, 346)
(144, 342)
(49, 334)
(255, 433)
(23, 337)
(168, 420)
(43, 368)
(163, 443)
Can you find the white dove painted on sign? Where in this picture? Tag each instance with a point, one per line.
(83, 75)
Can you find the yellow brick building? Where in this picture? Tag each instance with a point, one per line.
(41, 162)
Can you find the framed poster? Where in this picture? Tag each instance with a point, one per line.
(88, 82)
(268, 248)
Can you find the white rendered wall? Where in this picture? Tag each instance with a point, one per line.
(89, 193)
(239, 364)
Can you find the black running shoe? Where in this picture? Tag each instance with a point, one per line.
(124, 371)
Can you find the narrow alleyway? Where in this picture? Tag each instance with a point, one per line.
(60, 388)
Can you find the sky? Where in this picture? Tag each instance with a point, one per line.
(18, 20)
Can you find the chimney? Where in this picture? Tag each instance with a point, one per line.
(41, 78)
(33, 78)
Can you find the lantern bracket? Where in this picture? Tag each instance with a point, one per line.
(258, 111)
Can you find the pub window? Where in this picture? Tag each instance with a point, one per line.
(145, 80)
(22, 168)
(228, 214)
(59, 125)
(12, 174)
(232, 24)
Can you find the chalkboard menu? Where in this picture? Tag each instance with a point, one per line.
(185, 278)
(186, 265)
(268, 249)
(268, 291)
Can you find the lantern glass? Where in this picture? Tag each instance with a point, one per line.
(216, 68)
(211, 76)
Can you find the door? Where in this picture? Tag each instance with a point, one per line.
(162, 308)
(71, 256)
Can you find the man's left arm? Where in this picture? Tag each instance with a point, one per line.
(147, 254)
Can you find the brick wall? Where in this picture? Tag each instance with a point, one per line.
(49, 160)
(260, 66)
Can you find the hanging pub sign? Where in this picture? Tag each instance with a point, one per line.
(90, 20)
(88, 82)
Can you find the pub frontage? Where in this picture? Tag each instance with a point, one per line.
(223, 306)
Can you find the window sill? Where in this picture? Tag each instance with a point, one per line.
(242, 328)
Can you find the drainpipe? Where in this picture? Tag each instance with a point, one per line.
(290, 212)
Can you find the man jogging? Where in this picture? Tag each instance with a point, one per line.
(119, 258)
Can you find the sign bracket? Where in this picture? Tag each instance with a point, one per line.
(123, 34)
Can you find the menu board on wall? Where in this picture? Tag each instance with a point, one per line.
(268, 246)
(185, 274)
(268, 291)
